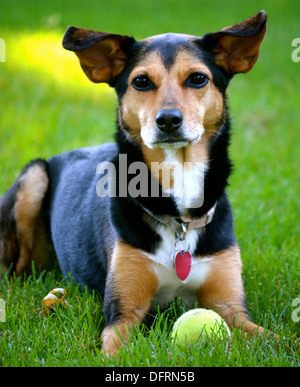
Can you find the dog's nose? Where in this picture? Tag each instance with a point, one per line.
(169, 120)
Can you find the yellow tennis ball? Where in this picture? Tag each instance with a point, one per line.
(196, 325)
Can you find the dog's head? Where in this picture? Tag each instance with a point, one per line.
(171, 87)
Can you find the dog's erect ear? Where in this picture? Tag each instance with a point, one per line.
(102, 56)
(236, 48)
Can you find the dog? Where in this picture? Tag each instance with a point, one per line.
(137, 248)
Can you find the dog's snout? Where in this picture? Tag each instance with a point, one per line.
(169, 120)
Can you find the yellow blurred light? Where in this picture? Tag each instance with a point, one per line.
(43, 52)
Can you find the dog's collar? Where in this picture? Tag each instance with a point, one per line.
(190, 224)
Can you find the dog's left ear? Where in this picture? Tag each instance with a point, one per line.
(102, 56)
(236, 48)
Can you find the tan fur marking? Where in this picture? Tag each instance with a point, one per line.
(33, 186)
(136, 285)
(223, 290)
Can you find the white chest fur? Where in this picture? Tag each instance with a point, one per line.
(188, 189)
(170, 286)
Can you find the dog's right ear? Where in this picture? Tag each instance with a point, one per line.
(102, 56)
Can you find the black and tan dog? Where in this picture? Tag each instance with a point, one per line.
(172, 112)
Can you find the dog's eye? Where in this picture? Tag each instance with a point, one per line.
(197, 80)
(142, 83)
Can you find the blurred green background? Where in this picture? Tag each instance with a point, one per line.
(47, 106)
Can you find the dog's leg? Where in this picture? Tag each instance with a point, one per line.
(19, 217)
(223, 291)
(131, 285)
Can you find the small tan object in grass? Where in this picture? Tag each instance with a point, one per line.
(51, 299)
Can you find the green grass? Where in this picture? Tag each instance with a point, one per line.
(47, 106)
(70, 337)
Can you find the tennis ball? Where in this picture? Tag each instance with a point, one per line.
(197, 325)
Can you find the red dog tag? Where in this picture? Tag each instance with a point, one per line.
(182, 261)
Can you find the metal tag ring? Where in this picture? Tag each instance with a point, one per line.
(185, 241)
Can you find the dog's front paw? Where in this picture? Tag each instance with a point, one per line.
(113, 337)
